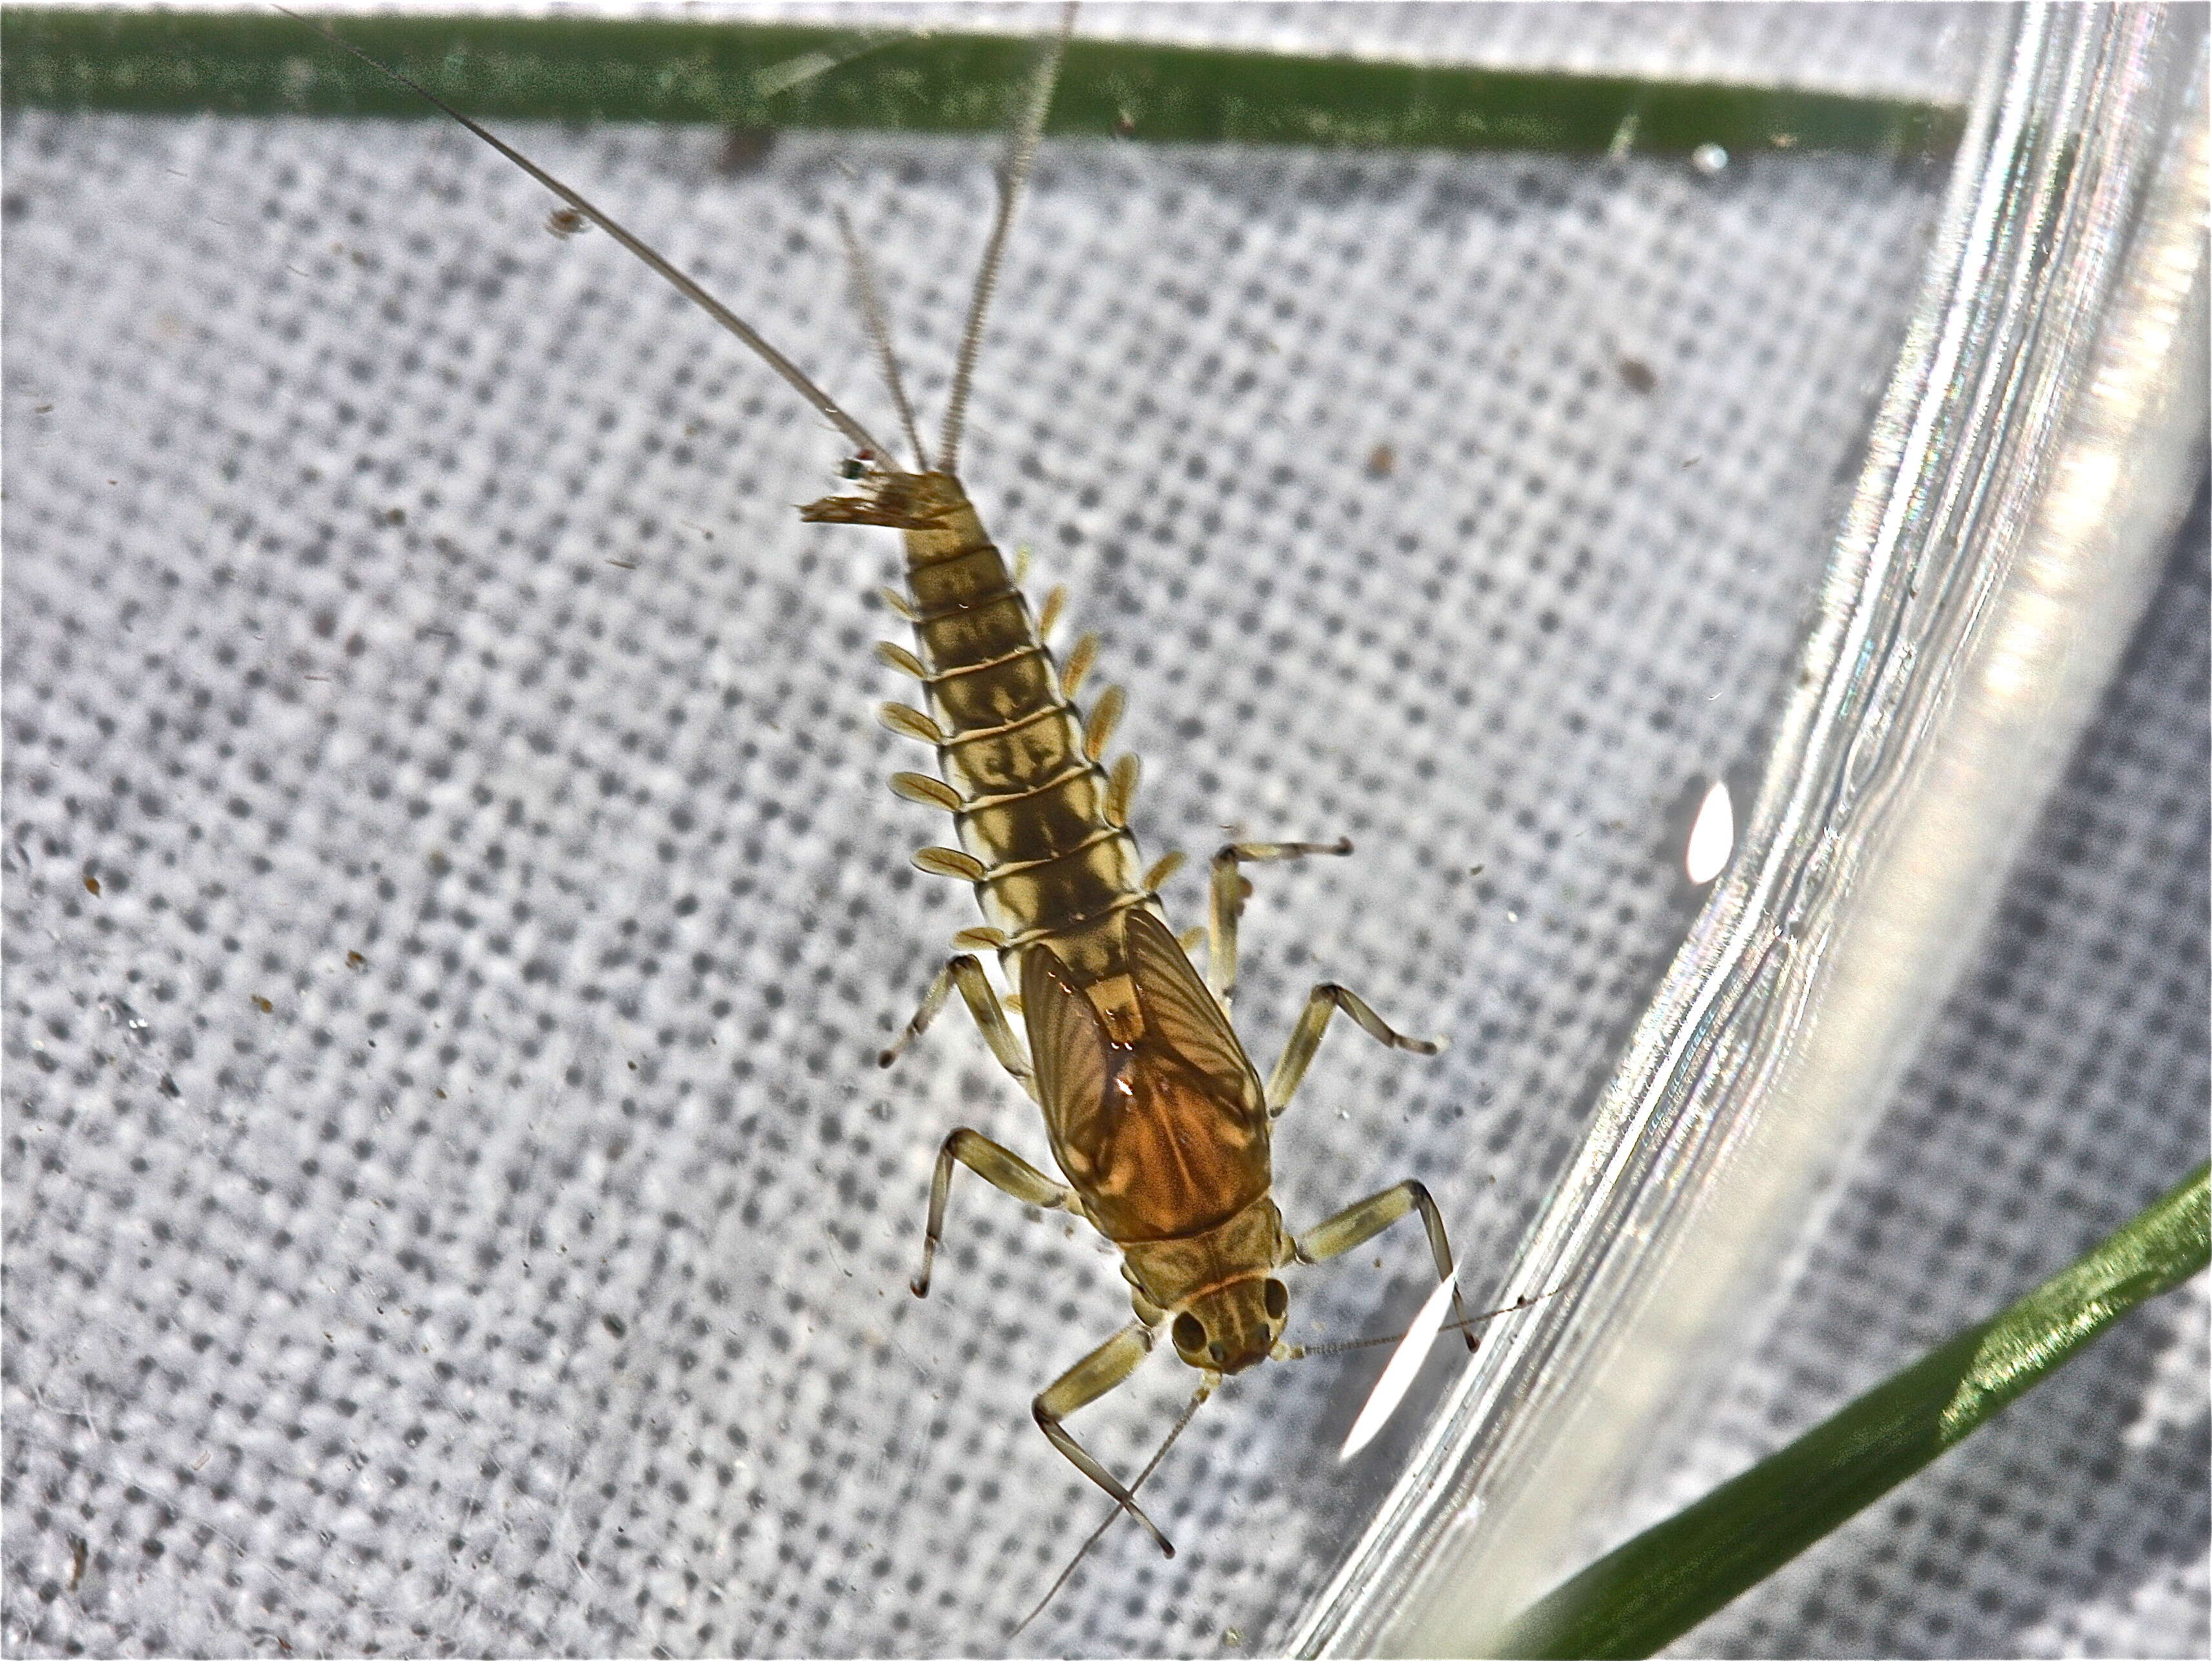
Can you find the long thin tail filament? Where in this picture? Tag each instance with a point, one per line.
(879, 331)
(1013, 174)
(861, 438)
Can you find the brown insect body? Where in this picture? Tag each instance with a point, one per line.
(1155, 1113)
(1034, 799)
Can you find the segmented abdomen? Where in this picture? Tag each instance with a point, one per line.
(1035, 801)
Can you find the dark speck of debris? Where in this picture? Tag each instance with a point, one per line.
(1635, 375)
(355, 960)
(566, 222)
(264, 1006)
(79, 1553)
(92, 885)
(1382, 462)
(614, 1324)
(744, 149)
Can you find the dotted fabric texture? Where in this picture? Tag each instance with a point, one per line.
(453, 903)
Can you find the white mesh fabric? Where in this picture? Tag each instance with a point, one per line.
(452, 1204)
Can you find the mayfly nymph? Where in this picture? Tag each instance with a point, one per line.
(1158, 1120)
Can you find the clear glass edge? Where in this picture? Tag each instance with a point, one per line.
(2034, 449)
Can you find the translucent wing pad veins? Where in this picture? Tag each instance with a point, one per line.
(1183, 1016)
(1067, 1044)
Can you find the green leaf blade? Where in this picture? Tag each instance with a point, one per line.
(1648, 1592)
(777, 76)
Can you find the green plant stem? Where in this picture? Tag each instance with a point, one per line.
(1648, 1592)
(756, 76)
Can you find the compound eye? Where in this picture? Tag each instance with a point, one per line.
(1278, 1299)
(1189, 1334)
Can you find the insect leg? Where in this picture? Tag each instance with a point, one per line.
(982, 1001)
(1324, 1000)
(1085, 1382)
(1225, 903)
(1008, 1172)
(1369, 1217)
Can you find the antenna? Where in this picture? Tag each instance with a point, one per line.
(1013, 174)
(1197, 1401)
(684, 285)
(1300, 1352)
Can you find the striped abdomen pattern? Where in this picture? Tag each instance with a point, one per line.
(1037, 812)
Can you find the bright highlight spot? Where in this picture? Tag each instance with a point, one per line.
(1398, 1377)
(1712, 838)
